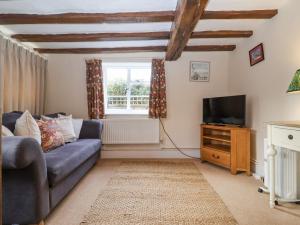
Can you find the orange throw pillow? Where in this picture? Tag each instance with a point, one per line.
(51, 137)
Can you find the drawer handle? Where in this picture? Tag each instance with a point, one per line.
(290, 137)
(216, 157)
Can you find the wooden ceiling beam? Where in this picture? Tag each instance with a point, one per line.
(222, 34)
(85, 37)
(244, 14)
(91, 37)
(84, 18)
(187, 15)
(101, 50)
(127, 17)
(210, 48)
(202, 48)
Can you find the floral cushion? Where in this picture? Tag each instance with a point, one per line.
(51, 136)
(65, 126)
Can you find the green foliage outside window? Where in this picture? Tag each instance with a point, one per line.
(119, 88)
(140, 89)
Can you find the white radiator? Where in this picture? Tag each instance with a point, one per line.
(130, 131)
(287, 172)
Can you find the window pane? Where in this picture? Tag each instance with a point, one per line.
(116, 88)
(127, 87)
(140, 88)
(116, 82)
(140, 75)
(139, 102)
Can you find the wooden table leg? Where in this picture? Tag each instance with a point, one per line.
(233, 170)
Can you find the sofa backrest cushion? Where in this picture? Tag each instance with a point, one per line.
(91, 129)
(55, 115)
(9, 119)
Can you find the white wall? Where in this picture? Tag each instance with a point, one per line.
(66, 90)
(266, 83)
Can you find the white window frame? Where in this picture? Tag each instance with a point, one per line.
(122, 65)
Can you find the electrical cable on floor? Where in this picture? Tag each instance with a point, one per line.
(177, 148)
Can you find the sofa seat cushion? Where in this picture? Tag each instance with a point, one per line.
(63, 160)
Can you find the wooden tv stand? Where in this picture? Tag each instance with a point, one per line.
(226, 146)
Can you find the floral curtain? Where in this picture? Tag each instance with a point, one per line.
(158, 101)
(94, 83)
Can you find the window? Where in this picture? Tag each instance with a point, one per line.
(126, 87)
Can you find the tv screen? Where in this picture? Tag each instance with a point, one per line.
(225, 110)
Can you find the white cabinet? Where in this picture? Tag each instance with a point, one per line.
(287, 172)
(280, 134)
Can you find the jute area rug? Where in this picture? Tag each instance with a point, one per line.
(156, 193)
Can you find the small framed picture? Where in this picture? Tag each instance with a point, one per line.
(256, 54)
(199, 71)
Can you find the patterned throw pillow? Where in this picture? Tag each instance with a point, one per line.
(65, 127)
(51, 136)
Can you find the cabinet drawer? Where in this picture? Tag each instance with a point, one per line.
(218, 157)
(286, 137)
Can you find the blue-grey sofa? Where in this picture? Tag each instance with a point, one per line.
(34, 182)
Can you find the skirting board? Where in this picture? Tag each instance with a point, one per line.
(151, 154)
(257, 168)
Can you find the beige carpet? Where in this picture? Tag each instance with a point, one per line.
(158, 192)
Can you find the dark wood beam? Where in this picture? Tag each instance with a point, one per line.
(91, 37)
(81, 18)
(209, 48)
(199, 48)
(86, 37)
(187, 15)
(222, 34)
(246, 14)
(127, 17)
(101, 50)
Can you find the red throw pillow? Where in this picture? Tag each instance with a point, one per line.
(51, 137)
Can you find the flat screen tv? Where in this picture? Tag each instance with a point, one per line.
(228, 110)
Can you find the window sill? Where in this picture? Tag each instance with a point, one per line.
(124, 116)
(126, 112)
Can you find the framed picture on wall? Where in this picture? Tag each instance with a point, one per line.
(256, 54)
(199, 71)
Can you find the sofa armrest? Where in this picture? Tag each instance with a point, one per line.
(20, 152)
(25, 184)
(91, 129)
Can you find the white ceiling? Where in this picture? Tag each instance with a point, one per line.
(108, 6)
(88, 28)
(87, 6)
(105, 6)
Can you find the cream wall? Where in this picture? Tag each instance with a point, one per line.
(66, 90)
(266, 83)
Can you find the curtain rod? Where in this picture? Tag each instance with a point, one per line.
(21, 45)
(126, 59)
